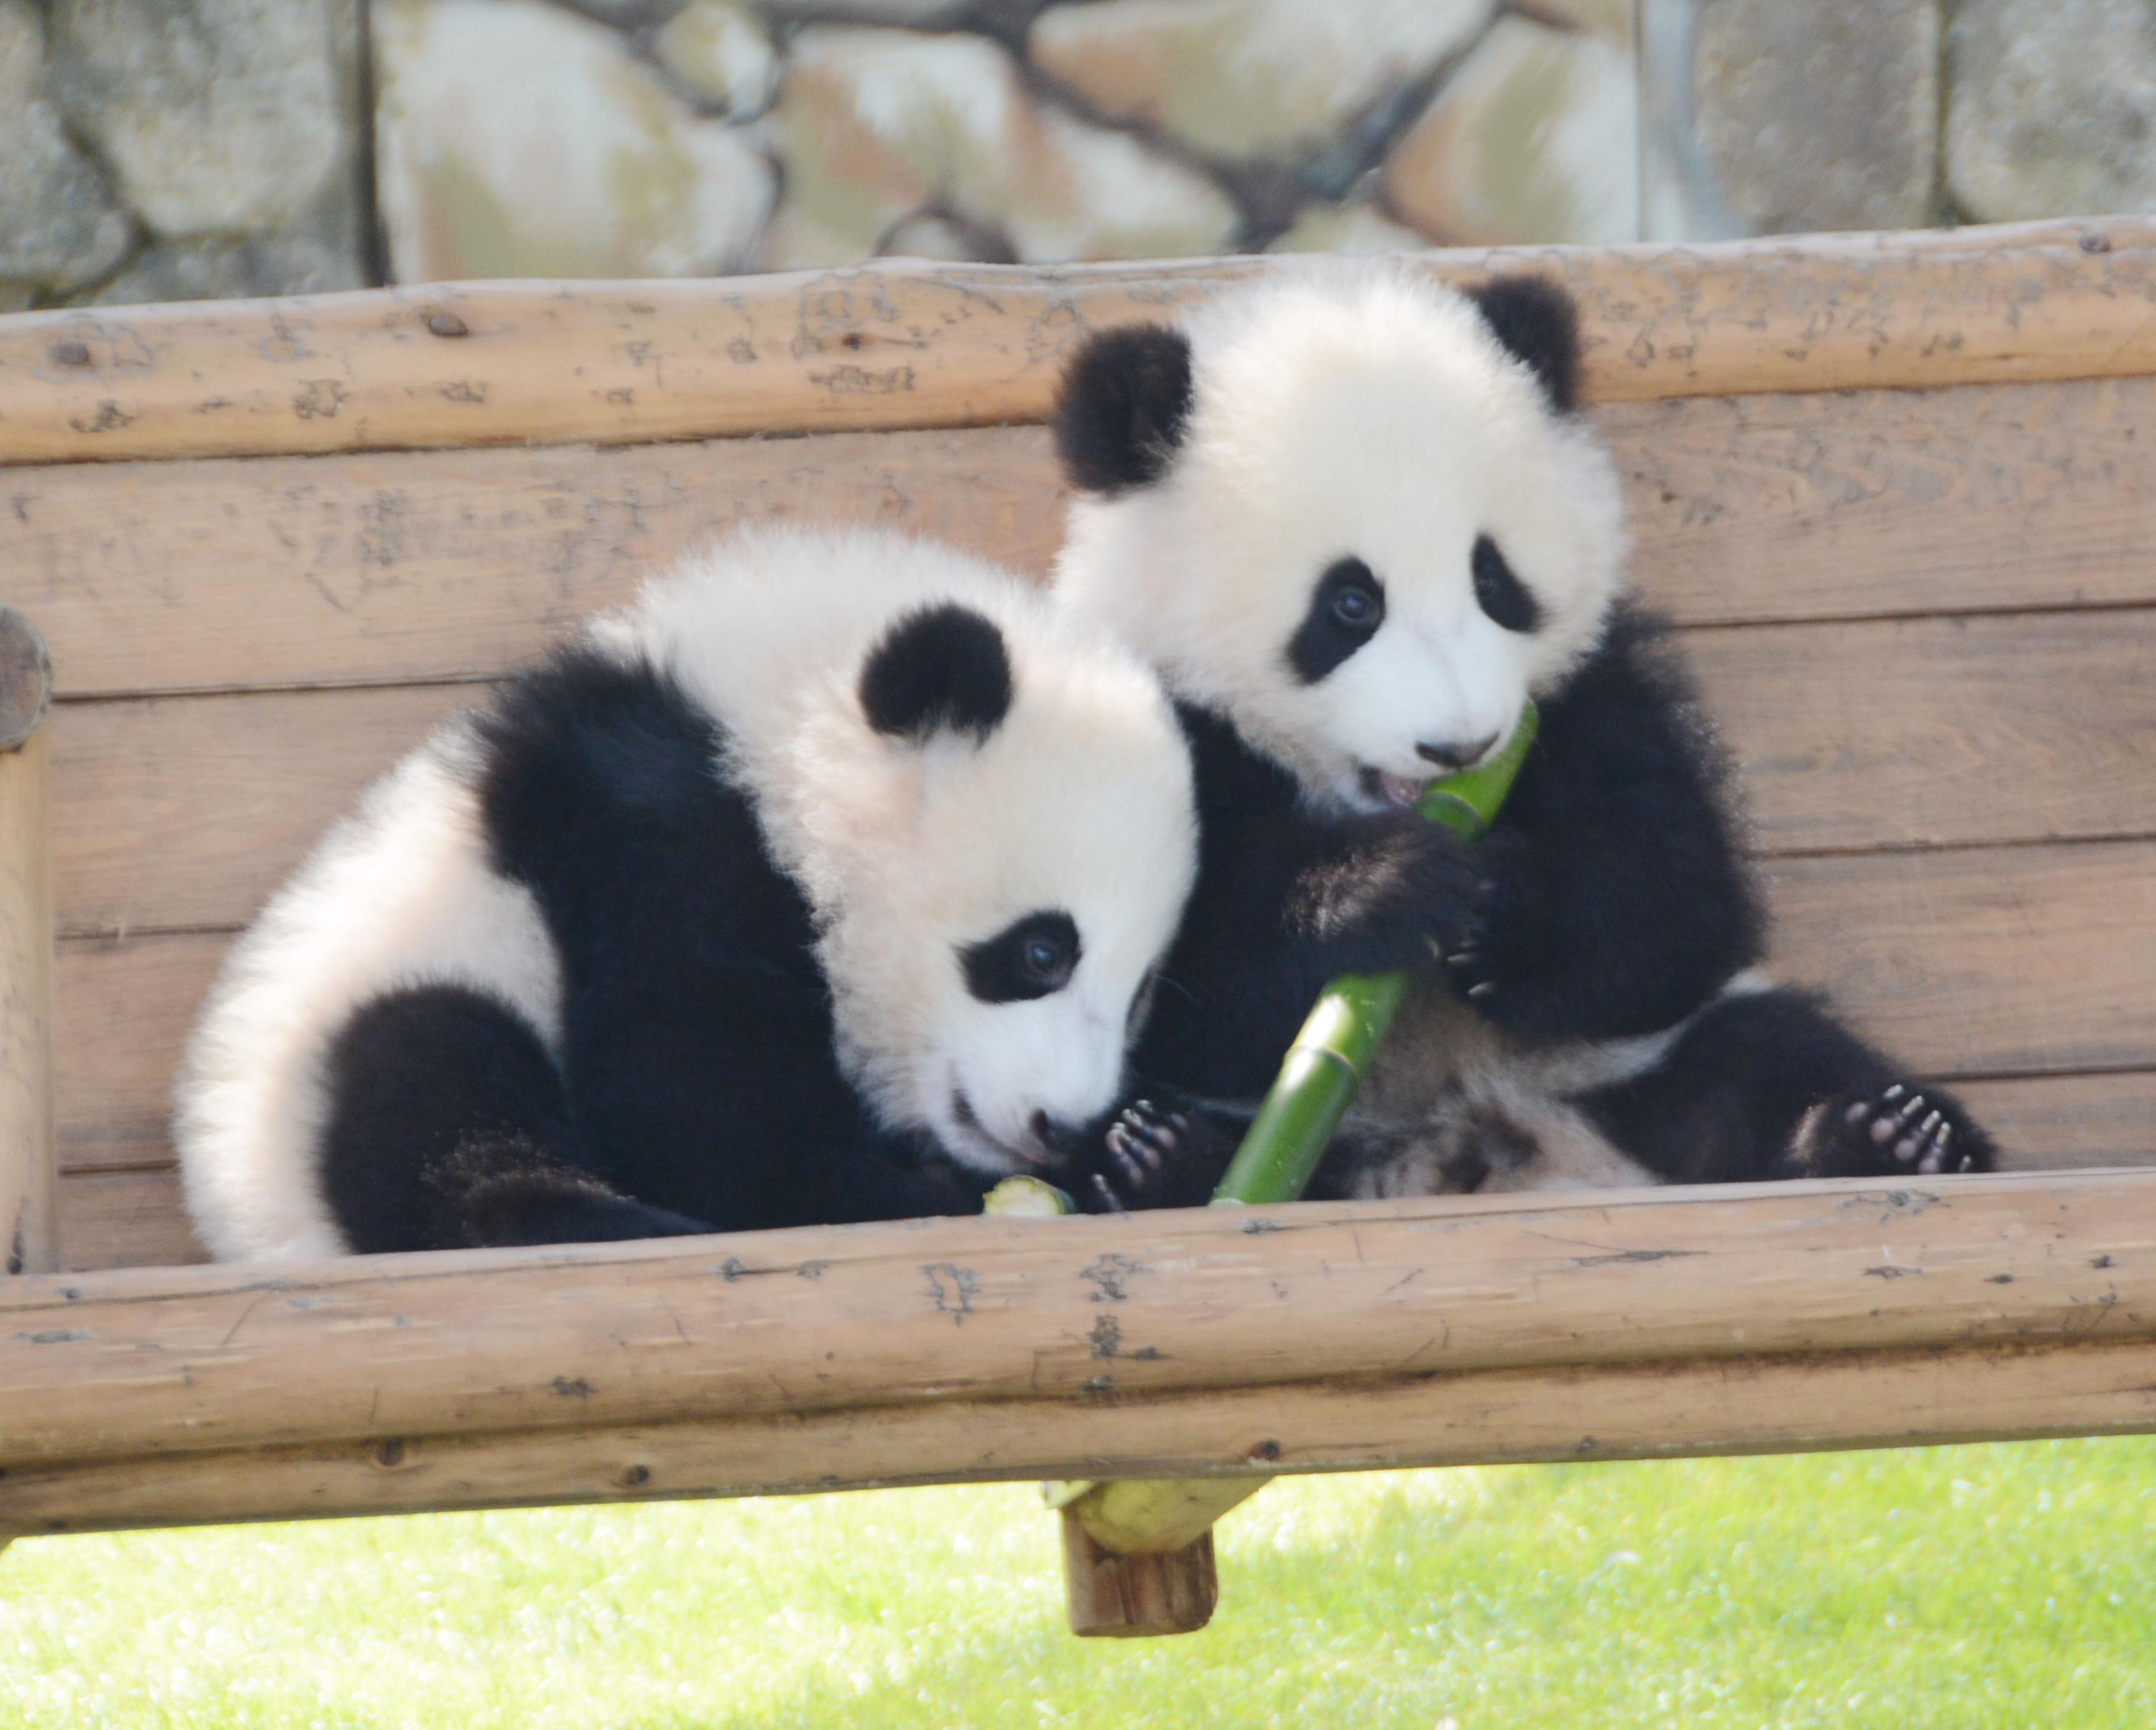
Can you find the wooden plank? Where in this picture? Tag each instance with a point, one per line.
(1939, 732)
(2037, 959)
(27, 1166)
(1867, 502)
(188, 811)
(1076, 1312)
(1622, 1411)
(124, 1219)
(451, 565)
(122, 1009)
(913, 344)
(132, 1216)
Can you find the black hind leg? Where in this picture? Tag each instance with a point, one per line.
(449, 1129)
(1770, 1085)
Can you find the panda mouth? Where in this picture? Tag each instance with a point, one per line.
(1404, 792)
(1015, 1159)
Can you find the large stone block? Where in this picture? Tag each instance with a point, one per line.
(59, 225)
(214, 114)
(1247, 78)
(1816, 116)
(718, 50)
(514, 139)
(2051, 108)
(221, 267)
(1535, 138)
(878, 129)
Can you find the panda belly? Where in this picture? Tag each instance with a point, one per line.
(399, 897)
(1452, 1106)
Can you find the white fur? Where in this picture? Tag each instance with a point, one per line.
(1080, 800)
(1364, 411)
(398, 894)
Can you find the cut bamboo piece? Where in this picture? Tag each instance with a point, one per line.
(1122, 1596)
(27, 1165)
(915, 345)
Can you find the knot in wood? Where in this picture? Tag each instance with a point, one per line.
(446, 324)
(69, 351)
(2093, 242)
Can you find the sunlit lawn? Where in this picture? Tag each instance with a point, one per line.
(1962, 1587)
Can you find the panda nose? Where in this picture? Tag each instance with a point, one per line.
(1455, 754)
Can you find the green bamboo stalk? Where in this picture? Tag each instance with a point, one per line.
(1328, 1059)
(1318, 1081)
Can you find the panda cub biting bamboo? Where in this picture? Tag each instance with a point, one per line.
(1356, 522)
(822, 884)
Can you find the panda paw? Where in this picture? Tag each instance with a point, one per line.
(1902, 1131)
(1158, 1154)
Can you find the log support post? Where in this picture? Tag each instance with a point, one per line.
(27, 1236)
(1112, 1596)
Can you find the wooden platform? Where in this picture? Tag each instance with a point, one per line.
(1898, 492)
(1923, 615)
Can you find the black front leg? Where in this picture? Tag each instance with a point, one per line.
(1618, 902)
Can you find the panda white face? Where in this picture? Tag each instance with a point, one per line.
(1027, 873)
(988, 806)
(1369, 534)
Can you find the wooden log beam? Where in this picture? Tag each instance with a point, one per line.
(923, 345)
(1654, 1409)
(1073, 1316)
(27, 1165)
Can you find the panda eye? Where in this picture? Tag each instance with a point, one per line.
(1354, 606)
(1346, 609)
(1500, 594)
(1034, 957)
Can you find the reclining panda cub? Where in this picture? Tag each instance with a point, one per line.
(823, 884)
(1356, 522)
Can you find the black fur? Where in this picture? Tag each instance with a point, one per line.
(1120, 409)
(1770, 1086)
(1032, 957)
(1329, 633)
(698, 1074)
(1537, 320)
(942, 666)
(1609, 899)
(449, 1129)
(1499, 591)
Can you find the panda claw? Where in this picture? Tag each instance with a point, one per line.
(1106, 1191)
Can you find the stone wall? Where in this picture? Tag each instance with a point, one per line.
(171, 149)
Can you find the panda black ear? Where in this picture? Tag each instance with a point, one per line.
(1119, 412)
(1537, 320)
(940, 666)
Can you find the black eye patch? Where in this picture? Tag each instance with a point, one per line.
(1500, 594)
(1346, 608)
(1034, 957)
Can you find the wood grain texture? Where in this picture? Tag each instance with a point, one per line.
(1108, 1596)
(2016, 961)
(189, 810)
(1653, 1410)
(120, 1204)
(1878, 502)
(450, 565)
(909, 344)
(1994, 960)
(1074, 1312)
(26, 1161)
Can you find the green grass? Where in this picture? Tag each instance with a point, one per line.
(1956, 1586)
